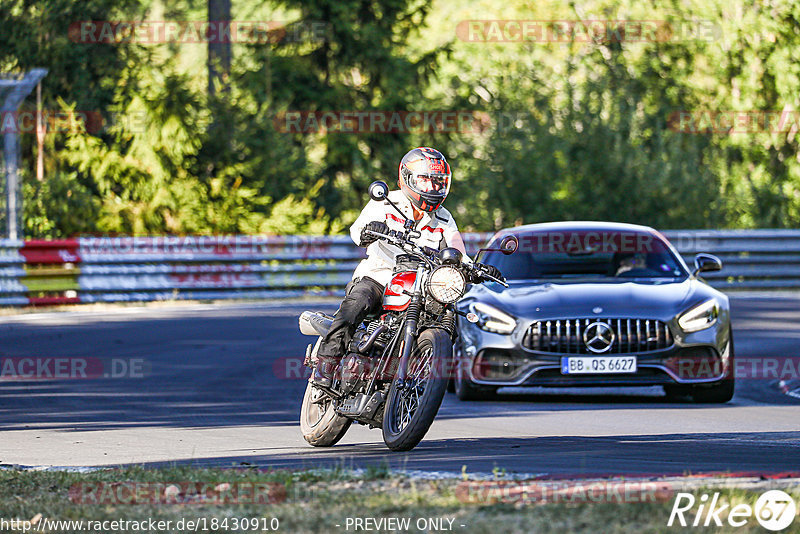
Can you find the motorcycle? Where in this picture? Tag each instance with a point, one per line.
(397, 366)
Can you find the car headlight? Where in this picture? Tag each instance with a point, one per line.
(491, 319)
(701, 316)
(446, 284)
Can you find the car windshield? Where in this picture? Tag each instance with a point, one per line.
(587, 254)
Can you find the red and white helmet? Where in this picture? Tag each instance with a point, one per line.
(424, 177)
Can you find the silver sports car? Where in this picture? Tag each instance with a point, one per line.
(595, 304)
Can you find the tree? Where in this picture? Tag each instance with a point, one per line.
(219, 47)
(339, 55)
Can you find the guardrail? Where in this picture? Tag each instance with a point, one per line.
(122, 269)
(751, 259)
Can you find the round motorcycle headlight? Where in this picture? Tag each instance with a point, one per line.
(446, 284)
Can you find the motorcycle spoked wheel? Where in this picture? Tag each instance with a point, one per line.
(320, 424)
(410, 410)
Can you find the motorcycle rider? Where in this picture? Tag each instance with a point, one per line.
(424, 178)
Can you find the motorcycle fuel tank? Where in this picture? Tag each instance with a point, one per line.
(393, 297)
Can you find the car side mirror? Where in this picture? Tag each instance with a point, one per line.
(509, 244)
(706, 263)
(378, 190)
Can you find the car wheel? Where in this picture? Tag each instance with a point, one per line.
(678, 392)
(451, 386)
(463, 387)
(466, 390)
(718, 392)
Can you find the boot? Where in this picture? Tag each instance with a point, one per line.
(325, 370)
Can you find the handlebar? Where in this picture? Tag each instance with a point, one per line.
(395, 237)
(398, 238)
(402, 240)
(490, 277)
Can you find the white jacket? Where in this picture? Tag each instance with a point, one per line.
(438, 229)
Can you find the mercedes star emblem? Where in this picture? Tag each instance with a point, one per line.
(598, 337)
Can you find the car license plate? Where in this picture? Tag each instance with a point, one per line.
(578, 365)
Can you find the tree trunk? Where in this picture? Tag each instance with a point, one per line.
(219, 46)
(41, 131)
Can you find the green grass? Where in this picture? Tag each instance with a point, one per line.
(317, 501)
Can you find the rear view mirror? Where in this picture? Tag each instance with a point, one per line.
(378, 190)
(706, 263)
(509, 244)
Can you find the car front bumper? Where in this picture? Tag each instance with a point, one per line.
(502, 360)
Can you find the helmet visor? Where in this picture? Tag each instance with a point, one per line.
(431, 183)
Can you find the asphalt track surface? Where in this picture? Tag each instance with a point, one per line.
(213, 390)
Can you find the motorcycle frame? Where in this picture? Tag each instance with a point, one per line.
(407, 331)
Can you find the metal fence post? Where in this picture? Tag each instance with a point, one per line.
(19, 89)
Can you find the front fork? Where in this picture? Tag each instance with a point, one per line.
(410, 326)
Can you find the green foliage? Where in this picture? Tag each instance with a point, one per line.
(36, 34)
(587, 153)
(145, 175)
(58, 207)
(292, 215)
(577, 130)
(356, 59)
(591, 136)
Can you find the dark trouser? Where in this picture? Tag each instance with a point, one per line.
(362, 298)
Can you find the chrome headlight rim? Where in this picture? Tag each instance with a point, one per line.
(700, 316)
(446, 270)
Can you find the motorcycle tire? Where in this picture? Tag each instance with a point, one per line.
(320, 424)
(403, 428)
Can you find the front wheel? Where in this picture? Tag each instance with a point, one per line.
(718, 393)
(464, 388)
(410, 409)
(722, 391)
(467, 391)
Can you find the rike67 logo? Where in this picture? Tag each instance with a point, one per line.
(774, 510)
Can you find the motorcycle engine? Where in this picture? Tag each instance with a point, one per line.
(355, 370)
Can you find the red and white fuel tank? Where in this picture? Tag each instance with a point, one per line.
(393, 297)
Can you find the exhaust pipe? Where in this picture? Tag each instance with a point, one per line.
(314, 323)
(365, 345)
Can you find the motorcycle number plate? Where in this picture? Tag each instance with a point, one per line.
(587, 365)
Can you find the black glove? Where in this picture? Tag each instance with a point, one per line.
(491, 270)
(374, 226)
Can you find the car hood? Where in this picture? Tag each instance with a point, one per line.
(555, 299)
